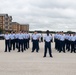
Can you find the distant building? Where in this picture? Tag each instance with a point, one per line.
(10, 23)
(15, 26)
(5, 22)
(19, 27)
(24, 27)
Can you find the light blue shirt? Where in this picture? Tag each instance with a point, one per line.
(20, 36)
(12, 36)
(73, 38)
(35, 37)
(47, 38)
(62, 37)
(7, 36)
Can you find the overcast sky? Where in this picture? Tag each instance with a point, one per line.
(42, 14)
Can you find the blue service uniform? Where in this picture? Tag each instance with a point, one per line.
(27, 38)
(16, 41)
(20, 37)
(67, 41)
(7, 42)
(73, 38)
(58, 42)
(47, 39)
(62, 43)
(38, 40)
(35, 40)
(12, 37)
(24, 41)
(55, 40)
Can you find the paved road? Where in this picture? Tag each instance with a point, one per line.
(28, 63)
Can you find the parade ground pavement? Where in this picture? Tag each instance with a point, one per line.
(27, 63)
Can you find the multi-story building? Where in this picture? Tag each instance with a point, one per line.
(15, 26)
(10, 23)
(1, 22)
(24, 27)
(5, 22)
(19, 27)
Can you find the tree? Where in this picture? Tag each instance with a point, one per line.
(1, 30)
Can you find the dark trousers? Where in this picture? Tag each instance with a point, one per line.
(47, 46)
(17, 43)
(35, 45)
(75, 45)
(20, 45)
(66, 44)
(69, 45)
(72, 46)
(62, 46)
(38, 45)
(7, 45)
(13, 44)
(24, 44)
(27, 43)
(55, 40)
(41, 39)
(57, 44)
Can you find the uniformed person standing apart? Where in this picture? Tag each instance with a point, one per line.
(47, 39)
(7, 42)
(35, 39)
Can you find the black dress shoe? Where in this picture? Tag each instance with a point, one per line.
(5, 51)
(18, 51)
(64, 51)
(51, 56)
(70, 52)
(9, 51)
(22, 51)
(37, 51)
(44, 56)
(32, 51)
(59, 51)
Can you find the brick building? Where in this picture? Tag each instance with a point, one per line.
(24, 27)
(5, 22)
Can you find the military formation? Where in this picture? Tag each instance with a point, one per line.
(65, 42)
(21, 41)
(18, 41)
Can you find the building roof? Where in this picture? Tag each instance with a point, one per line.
(3, 14)
(24, 24)
(14, 23)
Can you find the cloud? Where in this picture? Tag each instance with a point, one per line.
(42, 14)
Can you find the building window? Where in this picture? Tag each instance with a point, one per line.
(6, 22)
(6, 27)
